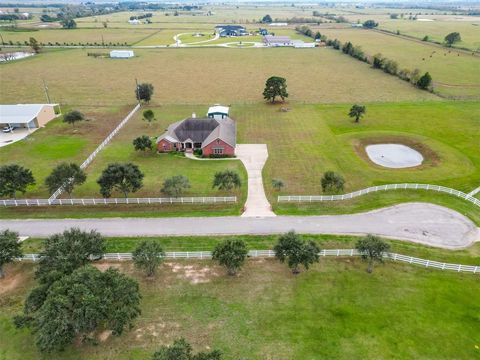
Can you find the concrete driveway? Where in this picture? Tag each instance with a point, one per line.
(16, 135)
(417, 222)
(254, 157)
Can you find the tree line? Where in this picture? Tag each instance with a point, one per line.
(377, 61)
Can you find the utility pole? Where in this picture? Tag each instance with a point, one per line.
(45, 88)
(137, 91)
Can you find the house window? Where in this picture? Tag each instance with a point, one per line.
(218, 151)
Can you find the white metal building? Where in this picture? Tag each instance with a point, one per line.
(28, 116)
(218, 111)
(122, 54)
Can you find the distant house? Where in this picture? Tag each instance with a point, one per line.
(134, 22)
(356, 25)
(277, 41)
(218, 111)
(262, 32)
(122, 54)
(230, 30)
(30, 116)
(278, 24)
(212, 136)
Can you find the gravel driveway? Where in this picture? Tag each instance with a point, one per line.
(417, 222)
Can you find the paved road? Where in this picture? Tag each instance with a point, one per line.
(421, 223)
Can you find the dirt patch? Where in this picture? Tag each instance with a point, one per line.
(104, 335)
(10, 282)
(430, 157)
(194, 273)
(104, 266)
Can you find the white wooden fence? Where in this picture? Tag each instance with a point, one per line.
(443, 189)
(92, 156)
(119, 201)
(270, 253)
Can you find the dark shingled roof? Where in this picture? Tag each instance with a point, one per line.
(201, 130)
(195, 129)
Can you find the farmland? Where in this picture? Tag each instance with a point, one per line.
(79, 36)
(437, 30)
(257, 314)
(335, 310)
(460, 81)
(185, 76)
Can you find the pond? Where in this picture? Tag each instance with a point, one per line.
(395, 156)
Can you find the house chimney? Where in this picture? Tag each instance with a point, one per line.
(194, 115)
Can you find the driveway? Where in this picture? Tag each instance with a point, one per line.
(12, 137)
(254, 156)
(417, 222)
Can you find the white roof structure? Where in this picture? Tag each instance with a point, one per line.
(122, 54)
(218, 109)
(21, 113)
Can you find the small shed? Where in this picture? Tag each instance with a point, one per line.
(218, 111)
(122, 54)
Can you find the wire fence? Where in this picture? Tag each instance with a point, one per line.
(443, 189)
(92, 156)
(270, 253)
(120, 201)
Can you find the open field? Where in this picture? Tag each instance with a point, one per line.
(77, 36)
(191, 76)
(331, 141)
(266, 312)
(437, 30)
(460, 81)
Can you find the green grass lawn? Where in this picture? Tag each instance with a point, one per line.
(311, 139)
(335, 310)
(184, 76)
(158, 167)
(460, 81)
(59, 142)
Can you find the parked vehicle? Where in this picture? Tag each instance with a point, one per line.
(8, 129)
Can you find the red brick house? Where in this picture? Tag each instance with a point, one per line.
(212, 136)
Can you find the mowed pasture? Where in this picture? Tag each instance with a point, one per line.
(311, 139)
(79, 36)
(201, 76)
(455, 74)
(334, 310)
(437, 30)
